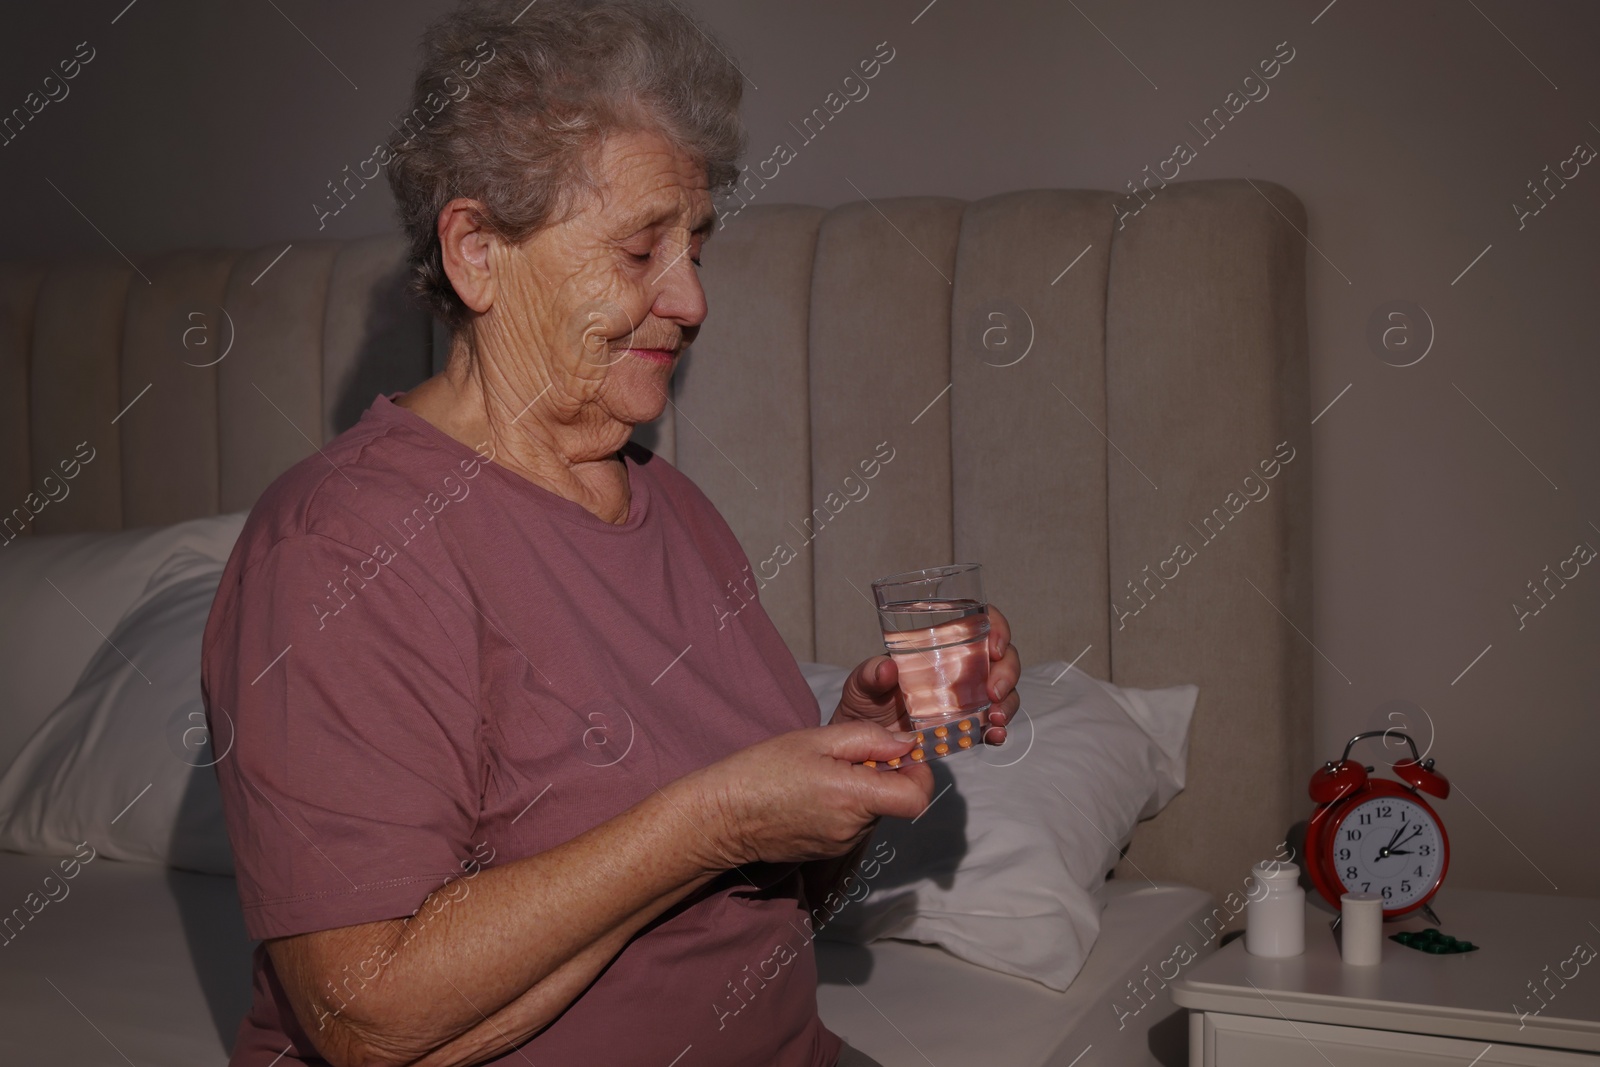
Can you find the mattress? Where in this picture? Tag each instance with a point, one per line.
(135, 963)
(911, 1005)
(141, 964)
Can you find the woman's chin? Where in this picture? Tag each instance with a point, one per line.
(636, 406)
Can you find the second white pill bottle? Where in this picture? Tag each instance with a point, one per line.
(1275, 917)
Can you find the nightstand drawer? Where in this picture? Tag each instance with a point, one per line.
(1218, 1040)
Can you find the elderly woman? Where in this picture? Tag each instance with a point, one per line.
(503, 790)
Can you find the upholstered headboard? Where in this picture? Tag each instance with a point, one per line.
(1023, 381)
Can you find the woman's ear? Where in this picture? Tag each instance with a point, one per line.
(465, 243)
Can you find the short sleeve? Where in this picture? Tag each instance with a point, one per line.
(353, 784)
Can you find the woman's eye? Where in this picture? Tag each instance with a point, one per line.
(639, 257)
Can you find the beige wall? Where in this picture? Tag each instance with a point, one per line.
(1441, 488)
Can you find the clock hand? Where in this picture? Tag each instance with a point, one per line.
(1388, 850)
(1404, 851)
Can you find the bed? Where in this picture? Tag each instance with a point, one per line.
(168, 980)
(1131, 375)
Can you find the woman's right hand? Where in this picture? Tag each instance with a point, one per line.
(803, 796)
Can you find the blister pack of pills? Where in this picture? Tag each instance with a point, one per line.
(937, 742)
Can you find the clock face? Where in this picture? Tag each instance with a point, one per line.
(1390, 846)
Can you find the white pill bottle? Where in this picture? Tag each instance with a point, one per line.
(1275, 917)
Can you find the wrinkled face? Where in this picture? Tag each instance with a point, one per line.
(603, 303)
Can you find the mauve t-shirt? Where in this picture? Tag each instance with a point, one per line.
(427, 665)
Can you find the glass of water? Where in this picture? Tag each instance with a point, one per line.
(936, 626)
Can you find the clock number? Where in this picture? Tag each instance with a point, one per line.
(1405, 885)
(1388, 891)
(1366, 886)
(1426, 850)
(1344, 854)
(1352, 835)
(1366, 818)
(1385, 811)
(1350, 873)
(1419, 872)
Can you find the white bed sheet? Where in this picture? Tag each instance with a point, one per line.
(909, 1005)
(143, 964)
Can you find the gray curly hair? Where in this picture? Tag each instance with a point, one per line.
(511, 100)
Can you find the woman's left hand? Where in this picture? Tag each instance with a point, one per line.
(871, 693)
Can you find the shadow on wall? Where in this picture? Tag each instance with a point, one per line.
(394, 329)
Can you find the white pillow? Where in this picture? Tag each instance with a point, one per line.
(1001, 869)
(125, 762)
(44, 640)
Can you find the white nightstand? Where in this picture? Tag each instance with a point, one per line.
(1413, 1008)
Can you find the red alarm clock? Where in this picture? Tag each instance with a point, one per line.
(1373, 835)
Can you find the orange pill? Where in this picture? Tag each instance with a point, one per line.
(916, 754)
(942, 748)
(870, 763)
(895, 762)
(941, 731)
(965, 742)
(917, 737)
(965, 725)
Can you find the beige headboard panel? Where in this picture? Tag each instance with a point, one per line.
(196, 378)
(1027, 385)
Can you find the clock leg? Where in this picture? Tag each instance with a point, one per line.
(1427, 909)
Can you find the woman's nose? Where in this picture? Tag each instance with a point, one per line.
(681, 297)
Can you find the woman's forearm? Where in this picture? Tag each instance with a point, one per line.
(496, 964)
(528, 1014)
